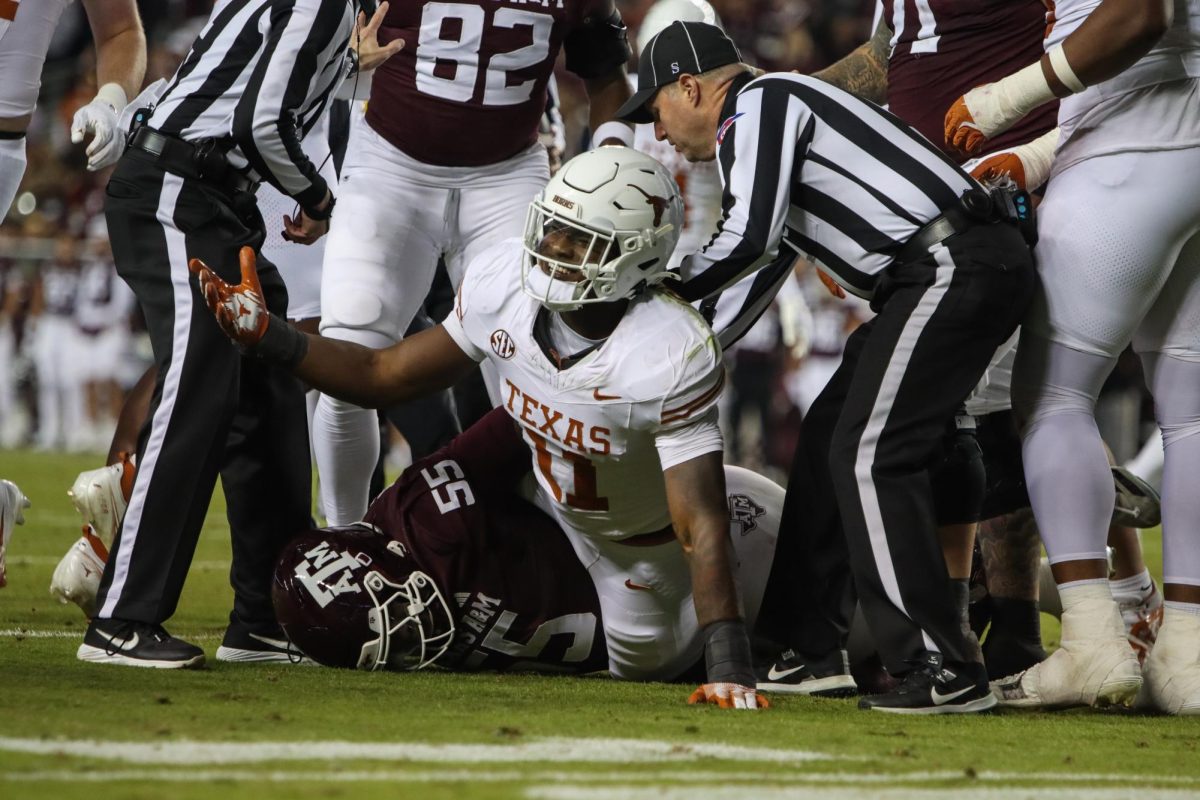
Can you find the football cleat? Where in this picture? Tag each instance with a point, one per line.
(13, 503)
(931, 688)
(1172, 670)
(101, 496)
(136, 644)
(791, 673)
(76, 579)
(1094, 666)
(1138, 504)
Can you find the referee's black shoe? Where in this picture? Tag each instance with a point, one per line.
(136, 644)
(259, 646)
(930, 688)
(792, 673)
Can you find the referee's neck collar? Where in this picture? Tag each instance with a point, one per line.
(731, 95)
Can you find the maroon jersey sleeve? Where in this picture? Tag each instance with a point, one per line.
(943, 48)
(522, 599)
(469, 86)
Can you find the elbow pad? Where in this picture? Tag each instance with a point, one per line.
(597, 47)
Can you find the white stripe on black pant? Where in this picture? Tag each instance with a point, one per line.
(903, 374)
(213, 411)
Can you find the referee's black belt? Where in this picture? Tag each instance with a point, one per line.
(976, 207)
(203, 162)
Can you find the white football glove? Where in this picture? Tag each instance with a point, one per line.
(77, 577)
(13, 503)
(100, 119)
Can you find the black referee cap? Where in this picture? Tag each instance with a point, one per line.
(681, 47)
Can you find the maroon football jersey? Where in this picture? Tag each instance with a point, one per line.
(470, 84)
(523, 599)
(943, 48)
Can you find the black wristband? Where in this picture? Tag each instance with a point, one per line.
(321, 216)
(281, 344)
(727, 653)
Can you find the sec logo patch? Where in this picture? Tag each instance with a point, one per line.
(502, 344)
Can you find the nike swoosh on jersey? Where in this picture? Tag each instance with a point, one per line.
(124, 644)
(941, 699)
(596, 394)
(636, 586)
(776, 674)
(282, 645)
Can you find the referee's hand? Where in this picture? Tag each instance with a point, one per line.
(241, 310)
(302, 229)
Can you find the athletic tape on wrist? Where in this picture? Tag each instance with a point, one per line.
(282, 344)
(727, 653)
(613, 130)
(113, 95)
(1062, 69)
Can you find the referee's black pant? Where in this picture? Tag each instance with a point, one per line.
(859, 499)
(213, 411)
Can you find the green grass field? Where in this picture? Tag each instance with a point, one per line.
(74, 730)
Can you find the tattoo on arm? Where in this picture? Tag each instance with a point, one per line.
(864, 71)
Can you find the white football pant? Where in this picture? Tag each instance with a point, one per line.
(12, 169)
(56, 358)
(1119, 260)
(645, 593)
(395, 217)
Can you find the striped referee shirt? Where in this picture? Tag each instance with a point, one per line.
(808, 168)
(258, 78)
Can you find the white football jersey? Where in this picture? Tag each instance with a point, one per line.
(602, 430)
(26, 28)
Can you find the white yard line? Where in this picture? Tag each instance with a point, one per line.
(52, 561)
(19, 633)
(600, 751)
(568, 792)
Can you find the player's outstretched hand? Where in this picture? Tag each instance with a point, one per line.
(100, 120)
(728, 695)
(370, 52)
(241, 310)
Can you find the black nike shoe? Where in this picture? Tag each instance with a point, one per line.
(242, 645)
(930, 688)
(792, 673)
(136, 644)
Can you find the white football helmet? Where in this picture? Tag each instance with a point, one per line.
(622, 214)
(664, 12)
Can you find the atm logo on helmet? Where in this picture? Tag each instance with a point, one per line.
(327, 573)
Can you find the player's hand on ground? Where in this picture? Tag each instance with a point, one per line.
(370, 53)
(241, 310)
(728, 695)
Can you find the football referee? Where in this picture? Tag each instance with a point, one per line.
(812, 170)
(257, 78)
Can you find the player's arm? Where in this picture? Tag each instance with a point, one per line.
(1113, 37)
(120, 68)
(597, 51)
(864, 71)
(365, 376)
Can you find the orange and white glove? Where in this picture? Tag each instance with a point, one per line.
(241, 310)
(1028, 165)
(728, 695)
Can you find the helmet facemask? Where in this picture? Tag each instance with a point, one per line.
(413, 621)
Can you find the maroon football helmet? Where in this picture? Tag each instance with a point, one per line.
(347, 598)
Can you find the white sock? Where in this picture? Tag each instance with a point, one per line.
(1137, 587)
(1179, 607)
(1074, 593)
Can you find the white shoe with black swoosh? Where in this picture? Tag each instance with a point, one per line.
(792, 673)
(136, 644)
(931, 688)
(268, 646)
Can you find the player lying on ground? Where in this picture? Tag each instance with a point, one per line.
(613, 381)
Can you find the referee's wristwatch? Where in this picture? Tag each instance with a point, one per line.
(321, 216)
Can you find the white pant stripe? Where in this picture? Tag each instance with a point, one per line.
(177, 259)
(897, 367)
